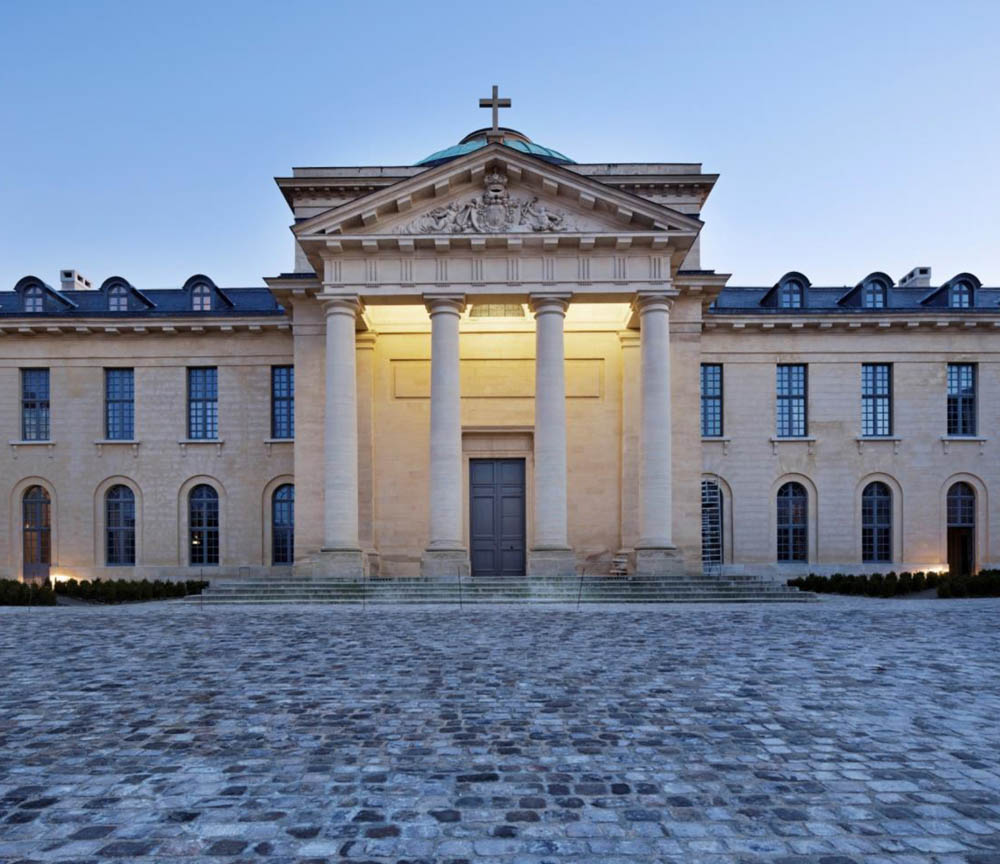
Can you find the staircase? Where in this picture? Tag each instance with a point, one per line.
(585, 589)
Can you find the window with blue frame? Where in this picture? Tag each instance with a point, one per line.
(711, 400)
(203, 402)
(119, 404)
(874, 295)
(792, 421)
(203, 526)
(34, 299)
(283, 524)
(282, 401)
(876, 399)
(790, 295)
(960, 296)
(961, 398)
(35, 404)
(119, 526)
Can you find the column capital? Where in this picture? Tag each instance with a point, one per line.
(548, 302)
(446, 303)
(658, 301)
(340, 304)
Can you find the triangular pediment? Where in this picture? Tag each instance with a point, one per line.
(496, 190)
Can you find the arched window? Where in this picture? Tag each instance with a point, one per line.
(34, 299)
(961, 529)
(793, 523)
(203, 526)
(711, 523)
(119, 526)
(790, 295)
(36, 515)
(118, 299)
(874, 295)
(201, 298)
(960, 295)
(961, 506)
(876, 522)
(283, 524)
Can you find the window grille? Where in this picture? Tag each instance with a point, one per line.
(711, 526)
(961, 506)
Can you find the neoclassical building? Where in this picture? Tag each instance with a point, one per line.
(498, 362)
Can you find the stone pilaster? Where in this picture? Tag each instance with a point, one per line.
(446, 556)
(550, 554)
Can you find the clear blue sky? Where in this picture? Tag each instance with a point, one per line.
(140, 139)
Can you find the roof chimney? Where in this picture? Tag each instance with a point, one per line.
(918, 277)
(70, 280)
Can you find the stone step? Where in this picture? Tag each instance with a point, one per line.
(453, 601)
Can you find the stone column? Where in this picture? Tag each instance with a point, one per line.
(550, 554)
(341, 554)
(655, 551)
(446, 556)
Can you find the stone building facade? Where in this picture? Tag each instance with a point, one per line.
(498, 362)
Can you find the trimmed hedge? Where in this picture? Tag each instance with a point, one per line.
(875, 585)
(128, 591)
(986, 583)
(14, 593)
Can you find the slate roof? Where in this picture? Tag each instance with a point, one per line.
(168, 303)
(734, 300)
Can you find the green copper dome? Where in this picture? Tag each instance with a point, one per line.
(511, 138)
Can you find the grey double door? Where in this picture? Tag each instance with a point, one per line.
(496, 517)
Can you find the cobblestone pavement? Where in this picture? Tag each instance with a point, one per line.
(844, 731)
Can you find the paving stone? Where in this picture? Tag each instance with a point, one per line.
(849, 730)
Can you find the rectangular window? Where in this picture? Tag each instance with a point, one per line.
(791, 407)
(35, 404)
(282, 401)
(876, 399)
(711, 400)
(961, 398)
(119, 404)
(203, 402)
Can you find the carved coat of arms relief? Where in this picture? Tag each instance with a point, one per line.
(494, 212)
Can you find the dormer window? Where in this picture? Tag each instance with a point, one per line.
(201, 298)
(874, 295)
(960, 296)
(34, 299)
(790, 295)
(118, 299)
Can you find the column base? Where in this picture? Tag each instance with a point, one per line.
(551, 563)
(342, 564)
(658, 561)
(445, 565)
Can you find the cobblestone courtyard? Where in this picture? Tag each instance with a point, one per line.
(842, 731)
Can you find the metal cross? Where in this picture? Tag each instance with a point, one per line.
(496, 103)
